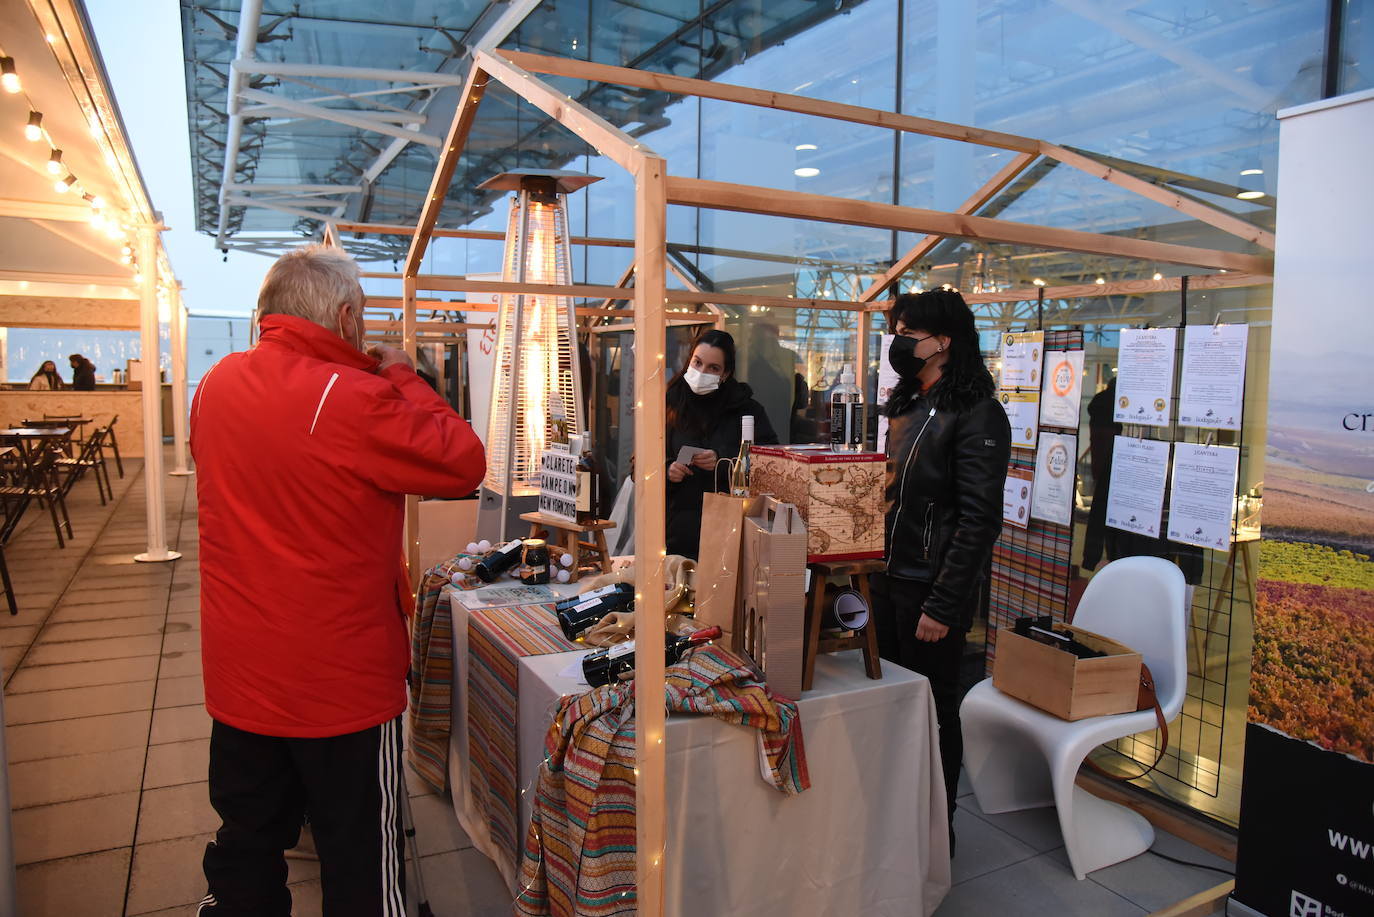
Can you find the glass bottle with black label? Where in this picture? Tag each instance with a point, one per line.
(580, 612)
(588, 481)
(617, 663)
(498, 561)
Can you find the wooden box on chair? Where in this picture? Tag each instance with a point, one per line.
(1059, 682)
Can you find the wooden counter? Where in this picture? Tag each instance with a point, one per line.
(99, 406)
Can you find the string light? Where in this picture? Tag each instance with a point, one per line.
(55, 162)
(63, 185)
(33, 131)
(9, 76)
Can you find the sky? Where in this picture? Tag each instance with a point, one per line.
(142, 52)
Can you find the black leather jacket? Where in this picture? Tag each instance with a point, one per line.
(944, 495)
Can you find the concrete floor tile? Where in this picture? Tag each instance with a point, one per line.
(1038, 828)
(82, 886)
(71, 828)
(104, 629)
(20, 635)
(184, 605)
(119, 594)
(436, 826)
(175, 664)
(44, 706)
(176, 811)
(43, 782)
(1155, 883)
(182, 691)
(181, 641)
(10, 657)
(168, 874)
(462, 882)
(111, 609)
(180, 724)
(181, 622)
(83, 674)
(1041, 885)
(61, 738)
(982, 848)
(91, 650)
(175, 763)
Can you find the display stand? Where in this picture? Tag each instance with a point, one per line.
(865, 639)
(570, 539)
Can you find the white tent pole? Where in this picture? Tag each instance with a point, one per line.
(179, 391)
(150, 357)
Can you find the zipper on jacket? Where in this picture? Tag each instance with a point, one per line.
(930, 517)
(901, 488)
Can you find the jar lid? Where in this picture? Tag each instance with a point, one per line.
(534, 542)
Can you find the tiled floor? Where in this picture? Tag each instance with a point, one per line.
(107, 741)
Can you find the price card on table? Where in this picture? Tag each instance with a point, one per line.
(1145, 376)
(1213, 386)
(1203, 497)
(1139, 469)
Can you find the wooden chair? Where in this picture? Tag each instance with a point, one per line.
(9, 584)
(36, 478)
(90, 458)
(114, 443)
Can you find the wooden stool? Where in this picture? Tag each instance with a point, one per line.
(570, 538)
(866, 639)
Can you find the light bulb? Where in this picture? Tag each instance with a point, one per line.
(63, 185)
(98, 202)
(1100, 281)
(9, 76)
(34, 129)
(55, 162)
(1158, 276)
(1038, 282)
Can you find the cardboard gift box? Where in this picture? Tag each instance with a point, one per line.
(839, 496)
(770, 625)
(1059, 682)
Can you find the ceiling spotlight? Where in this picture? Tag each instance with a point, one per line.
(34, 129)
(1252, 172)
(1158, 276)
(1250, 195)
(806, 172)
(63, 185)
(805, 146)
(1099, 281)
(55, 162)
(1038, 282)
(9, 76)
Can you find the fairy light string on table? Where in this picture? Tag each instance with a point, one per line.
(103, 218)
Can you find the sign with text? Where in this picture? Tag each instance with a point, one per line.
(558, 484)
(1145, 376)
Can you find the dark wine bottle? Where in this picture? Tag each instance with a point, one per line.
(498, 561)
(588, 481)
(580, 613)
(617, 663)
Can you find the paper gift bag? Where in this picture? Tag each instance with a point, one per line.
(772, 611)
(718, 563)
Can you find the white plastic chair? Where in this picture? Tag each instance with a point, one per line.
(1019, 757)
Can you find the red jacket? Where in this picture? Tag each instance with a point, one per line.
(303, 454)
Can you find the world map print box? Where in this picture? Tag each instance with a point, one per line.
(839, 494)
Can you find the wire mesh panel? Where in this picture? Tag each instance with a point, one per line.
(536, 360)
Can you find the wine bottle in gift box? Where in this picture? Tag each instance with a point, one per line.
(580, 612)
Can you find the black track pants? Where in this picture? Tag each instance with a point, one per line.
(264, 786)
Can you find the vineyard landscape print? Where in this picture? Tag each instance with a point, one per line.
(1313, 674)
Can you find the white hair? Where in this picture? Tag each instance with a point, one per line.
(312, 282)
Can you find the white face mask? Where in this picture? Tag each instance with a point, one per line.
(701, 383)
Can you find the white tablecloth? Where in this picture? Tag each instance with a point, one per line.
(869, 838)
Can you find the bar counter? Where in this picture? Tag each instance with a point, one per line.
(19, 404)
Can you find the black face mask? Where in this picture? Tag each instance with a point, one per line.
(901, 356)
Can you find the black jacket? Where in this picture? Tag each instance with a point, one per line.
(83, 377)
(727, 405)
(944, 494)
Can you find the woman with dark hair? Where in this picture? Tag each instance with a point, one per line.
(46, 379)
(948, 444)
(705, 405)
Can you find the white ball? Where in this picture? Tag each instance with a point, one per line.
(566, 560)
(564, 576)
(464, 564)
(483, 546)
(471, 548)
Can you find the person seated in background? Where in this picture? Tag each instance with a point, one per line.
(705, 405)
(46, 379)
(83, 373)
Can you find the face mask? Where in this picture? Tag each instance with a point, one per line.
(901, 356)
(701, 383)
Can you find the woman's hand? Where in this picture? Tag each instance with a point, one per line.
(929, 630)
(705, 460)
(677, 472)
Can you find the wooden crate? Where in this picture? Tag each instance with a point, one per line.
(1059, 682)
(839, 494)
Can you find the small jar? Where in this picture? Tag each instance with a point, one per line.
(536, 563)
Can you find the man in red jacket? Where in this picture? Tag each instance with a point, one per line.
(304, 448)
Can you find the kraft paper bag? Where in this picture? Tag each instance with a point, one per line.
(718, 563)
(772, 611)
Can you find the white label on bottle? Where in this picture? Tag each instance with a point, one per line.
(621, 649)
(584, 491)
(583, 606)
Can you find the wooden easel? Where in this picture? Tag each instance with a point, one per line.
(866, 639)
(570, 538)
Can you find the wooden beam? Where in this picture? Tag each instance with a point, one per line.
(609, 140)
(388, 229)
(1200, 905)
(75, 239)
(452, 149)
(1224, 281)
(1226, 222)
(763, 98)
(695, 192)
(331, 235)
(422, 329)
(979, 198)
(463, 285)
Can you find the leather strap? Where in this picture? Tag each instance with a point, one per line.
(1147, 699)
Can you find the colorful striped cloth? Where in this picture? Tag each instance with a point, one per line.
(497, 639)
(431, 677)
(579, 856)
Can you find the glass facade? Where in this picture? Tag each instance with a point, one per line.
(1180, 93)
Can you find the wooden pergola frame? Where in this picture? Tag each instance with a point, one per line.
(655, 189)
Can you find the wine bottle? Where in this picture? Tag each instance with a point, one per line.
(588, 481)
(846, 413)
(499, 561)
(565, 604)
(617, 663)
(576, 618)
(739, 469)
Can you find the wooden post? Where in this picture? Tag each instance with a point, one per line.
(650, 338)
(412, 530)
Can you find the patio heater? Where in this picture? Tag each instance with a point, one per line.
(536, 360)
